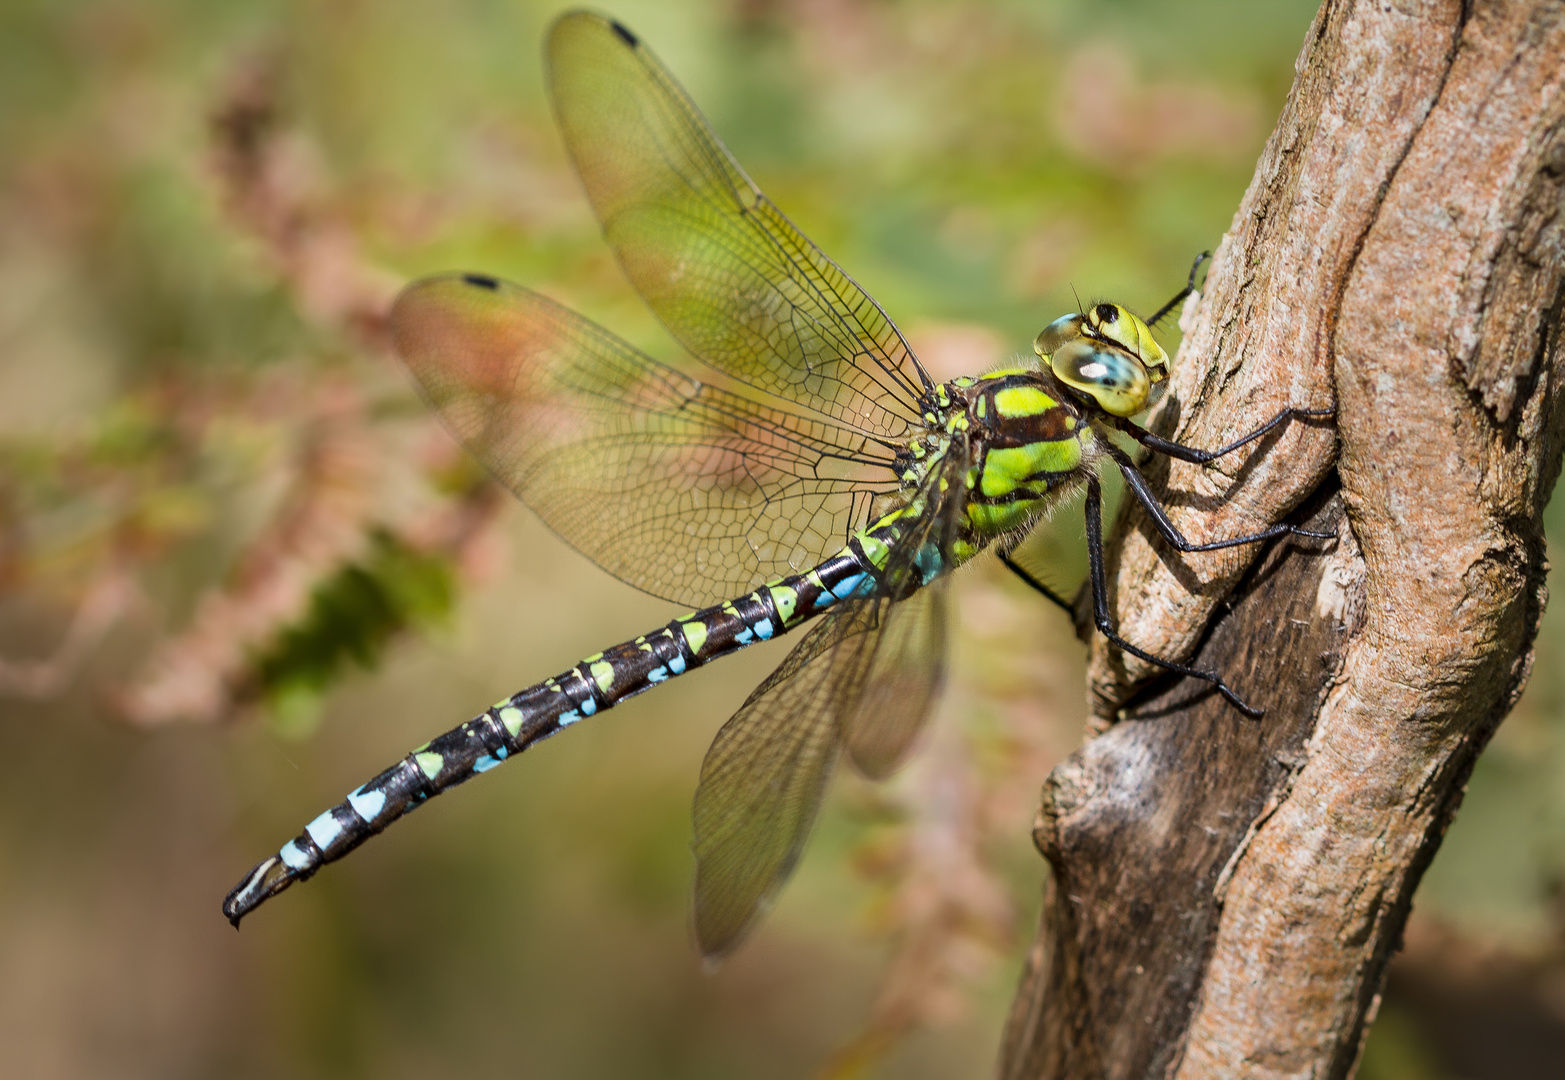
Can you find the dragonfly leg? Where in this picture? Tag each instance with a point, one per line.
(1202, 457)
(1179, 296)
(1105, 624)
(1143, 493)
(1038, 586)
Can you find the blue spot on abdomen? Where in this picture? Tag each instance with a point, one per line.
(324, 830)
(293, 856)
(848, 586)
(367, 804)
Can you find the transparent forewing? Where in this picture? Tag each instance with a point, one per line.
(726, 272)
(901, 684)
(684, 489)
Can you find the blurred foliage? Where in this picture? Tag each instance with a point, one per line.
(353, 613)
(219, 499)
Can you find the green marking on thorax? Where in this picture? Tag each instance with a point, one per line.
(1007, 468)
(992, 519)
(1018, 401)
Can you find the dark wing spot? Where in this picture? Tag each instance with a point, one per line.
(483, 281)
(1106, 313)
(624, 35)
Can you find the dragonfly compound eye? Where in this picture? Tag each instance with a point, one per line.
(1116, 380)
(1117, 325)
(1057, 333)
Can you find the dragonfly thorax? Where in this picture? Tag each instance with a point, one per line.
(1029, 441)
(1003, 447)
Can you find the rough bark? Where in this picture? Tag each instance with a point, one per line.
(1225, 893)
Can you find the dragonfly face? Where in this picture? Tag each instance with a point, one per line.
(1109, 356)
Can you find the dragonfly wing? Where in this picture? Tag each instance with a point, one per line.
(679, 487)
(725, 271)
(762, 780)
(901, 684)
(867, 675)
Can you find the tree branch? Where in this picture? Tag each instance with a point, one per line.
(1226, 894)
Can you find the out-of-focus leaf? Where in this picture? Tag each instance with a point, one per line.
(353, 615)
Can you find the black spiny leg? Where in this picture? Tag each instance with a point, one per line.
(1202, 457)
(1189, 288)
(1170, 531)
(1038, 586)
(1100, 605)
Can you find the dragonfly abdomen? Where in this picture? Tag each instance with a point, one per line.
(599, 682)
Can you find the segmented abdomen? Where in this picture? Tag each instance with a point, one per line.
(510, 726)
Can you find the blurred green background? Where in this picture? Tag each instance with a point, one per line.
(241, 572)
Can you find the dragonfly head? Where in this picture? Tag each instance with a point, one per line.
(1108, 355)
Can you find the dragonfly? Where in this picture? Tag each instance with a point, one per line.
(811, 472)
